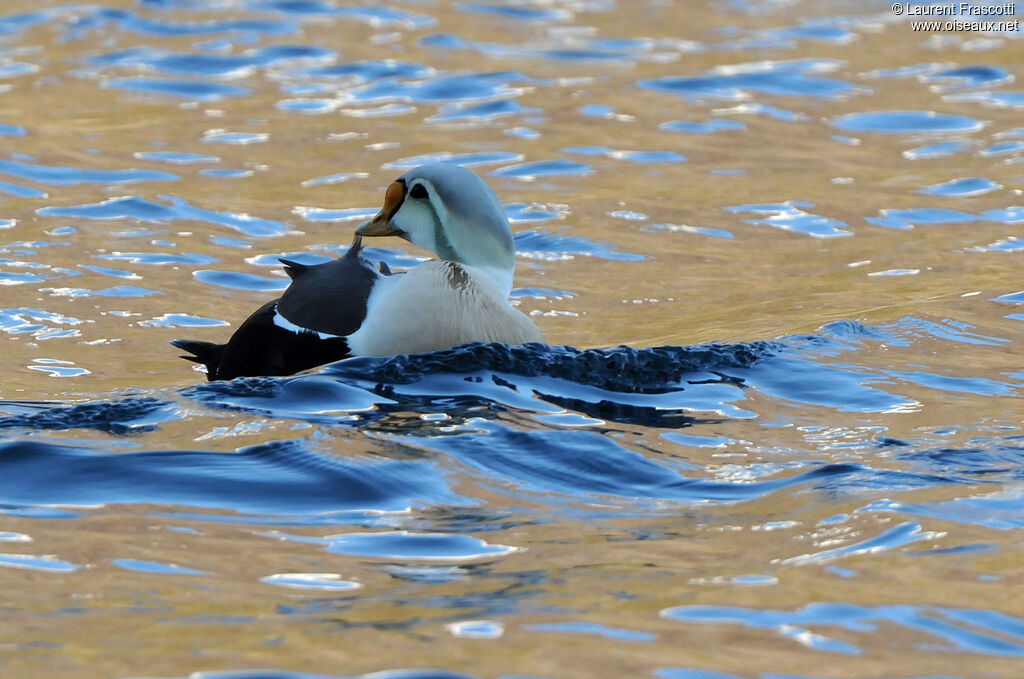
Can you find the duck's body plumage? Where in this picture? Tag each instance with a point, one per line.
(437, 305)
(347, 307)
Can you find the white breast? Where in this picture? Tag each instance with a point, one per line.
(438, 305)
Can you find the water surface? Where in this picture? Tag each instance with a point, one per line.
(775, 432)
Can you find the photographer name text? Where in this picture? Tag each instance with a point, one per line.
(960, 16)
(955, 9)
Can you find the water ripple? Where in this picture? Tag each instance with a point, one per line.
(893, 538)
(783, 78)
(176, 158)
(75, 175)
(144, 566)
(993, 99)
(709, 127)
(542, 168)
(472, 499)
(330, 582)
(464, 159)
(517, 12)
(967, 186)
(158, 258)
(545, 246)
(1000, 510)
(380, 16)
(45, 563)
(126, 416)
(967, 77)
(133, 207)
(37, 323)
(449, 88)
(365, 71)
(214, 65)
(130, 21)
(186, 89)
(276, 478)
(490, 110)
(406, 546)
(941, 149)
(907, 122)
(238, 280)
(957, 630)
(789, 217)
(632, 156)
(566, 47)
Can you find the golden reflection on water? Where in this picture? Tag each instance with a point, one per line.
(104, 621)
(689, 289)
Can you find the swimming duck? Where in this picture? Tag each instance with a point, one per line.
(347, 307)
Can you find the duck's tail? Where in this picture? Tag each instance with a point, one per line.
(206, 353)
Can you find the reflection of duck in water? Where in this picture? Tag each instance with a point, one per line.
(346, 307)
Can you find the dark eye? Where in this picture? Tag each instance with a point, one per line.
(417, 191)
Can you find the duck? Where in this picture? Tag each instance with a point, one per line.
(349, 307)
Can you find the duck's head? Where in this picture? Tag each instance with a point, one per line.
(451, 212)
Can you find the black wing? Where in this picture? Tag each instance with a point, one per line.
(329, 297)
(260, 347)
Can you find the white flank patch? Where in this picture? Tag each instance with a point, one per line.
(282, 322)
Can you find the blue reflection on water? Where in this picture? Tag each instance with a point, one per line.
(907, 122)
(466, 393)
(702, 128)
(790, 217)
(280, 478)
(47, 563)
(615, 633)
(282, 674)
(186, 89)
(405, 546)
(955, 629)
(968, 76)
(968, 186)
(543, 168)
(144, 566)
(133, 207)
(785, 78)
(551, 427)
(75, 175)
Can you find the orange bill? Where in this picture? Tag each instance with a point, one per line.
(379, 225)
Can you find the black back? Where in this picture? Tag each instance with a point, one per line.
(260, 347)
(329, 297)
(325, 298)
